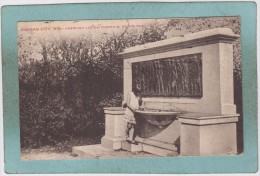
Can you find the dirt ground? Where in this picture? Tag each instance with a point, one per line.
(42, 154)
(37, 154)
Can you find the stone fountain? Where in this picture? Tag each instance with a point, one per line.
(188, 96)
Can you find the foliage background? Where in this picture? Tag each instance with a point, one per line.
(66, 80)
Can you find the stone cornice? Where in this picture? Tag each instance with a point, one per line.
(207, 119)
(114, 110)
(218, 35)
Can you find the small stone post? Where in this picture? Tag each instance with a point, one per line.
(114, 128)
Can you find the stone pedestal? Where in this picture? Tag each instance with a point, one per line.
(114, 128)
(208, 134)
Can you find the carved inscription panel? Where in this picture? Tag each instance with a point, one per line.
(169, 77)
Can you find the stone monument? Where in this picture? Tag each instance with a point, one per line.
(188, 96)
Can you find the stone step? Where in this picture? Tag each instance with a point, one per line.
(97, 151)
(91, 151)
(159, 144)
(132, 147)
(159, 151)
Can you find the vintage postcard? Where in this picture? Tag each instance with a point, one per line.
(130, 88)
(129, 91)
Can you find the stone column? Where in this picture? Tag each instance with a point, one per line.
(114, 128)
(206, 134)
(226, 78)
(127, 78)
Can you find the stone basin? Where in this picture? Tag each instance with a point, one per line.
(157, 113)
(151, 122)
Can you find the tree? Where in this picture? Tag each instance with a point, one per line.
(65, 81)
